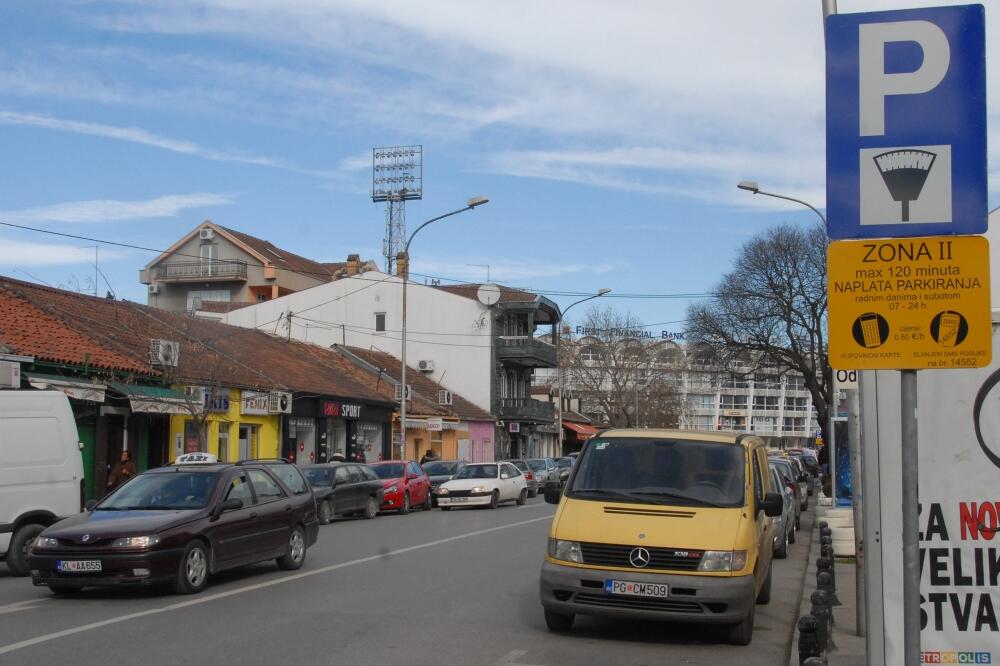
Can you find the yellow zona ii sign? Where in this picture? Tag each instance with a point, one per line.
(909, 303)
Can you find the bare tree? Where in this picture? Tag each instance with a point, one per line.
(771, 310)
(617, 374)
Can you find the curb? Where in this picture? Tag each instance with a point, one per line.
(805, 605)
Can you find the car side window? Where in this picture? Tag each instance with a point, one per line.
(415, 469)
(292, 478)
(264, 486)
(355, 474)
(342, 475)
(513, 471)
(238, 488)
(549, 463)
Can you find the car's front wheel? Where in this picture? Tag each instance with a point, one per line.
(295, 552)
(741, 633)
(494, 499)
(405, 509)
(371, 508)
(192, 574)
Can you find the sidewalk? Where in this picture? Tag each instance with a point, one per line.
(849, 648)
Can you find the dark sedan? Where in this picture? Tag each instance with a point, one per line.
(440, 471)
(345, 489)
(179, 524)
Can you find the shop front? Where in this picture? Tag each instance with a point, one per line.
(319, 429)
(232, 424)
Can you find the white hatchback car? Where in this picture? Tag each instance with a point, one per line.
(484, 484)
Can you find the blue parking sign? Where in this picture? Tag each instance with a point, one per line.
(906, 123)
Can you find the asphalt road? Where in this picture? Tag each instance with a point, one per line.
(437, 588)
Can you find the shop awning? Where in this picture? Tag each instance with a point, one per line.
(154, 399)
(74, 388)
(582, 430)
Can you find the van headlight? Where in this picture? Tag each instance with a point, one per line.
(723, 560)
(568, 551)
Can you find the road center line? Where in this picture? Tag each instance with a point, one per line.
(257, 586)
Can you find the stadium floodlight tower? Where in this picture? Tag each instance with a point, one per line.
(397, 177)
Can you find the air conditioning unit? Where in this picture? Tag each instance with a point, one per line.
(444, 397)
(425, 366)
(164, 352)
(399, 392)
(10, 375)
(279, 402)
(154, 289)
(206, 234)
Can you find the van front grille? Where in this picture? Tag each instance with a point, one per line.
(613, 555)
(639, 603)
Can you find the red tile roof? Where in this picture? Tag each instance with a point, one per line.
(64, 327)
(222, 306)
(507, 294)
(282, 258)
(424, 389)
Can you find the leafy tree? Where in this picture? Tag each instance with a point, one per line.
(771, 310)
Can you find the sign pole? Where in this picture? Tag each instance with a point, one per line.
(911, 519)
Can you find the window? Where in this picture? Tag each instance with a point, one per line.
(342, 475)
(291, 477)
(736, 423)
(356, 475)
(239, 489)
(765, 402)
(703, 423)
(795, 382)
(759, 489)
(415, 469)
(702, 401)
(733, 401)
(764, 424)
(796, 404)
(767, 381)
(196, 297)
(513, 471)
(265, 487)
(735, 381)
(380, 322)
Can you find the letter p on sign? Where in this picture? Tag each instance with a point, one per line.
(875, 84)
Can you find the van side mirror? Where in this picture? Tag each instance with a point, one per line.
(552, 492)
(772, 504)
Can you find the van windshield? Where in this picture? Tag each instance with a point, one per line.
(661, 471)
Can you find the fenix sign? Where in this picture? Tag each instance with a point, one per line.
(906, 123)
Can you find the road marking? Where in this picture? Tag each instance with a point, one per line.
(21, 606)
(509, 659)
(12, 647)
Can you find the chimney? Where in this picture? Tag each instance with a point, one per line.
(403, 265)
(353, 264)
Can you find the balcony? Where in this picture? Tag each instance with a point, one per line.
(201, 271)
(526, 350)
(526, 409)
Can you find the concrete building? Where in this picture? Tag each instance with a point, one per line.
(485, 353)
(213, 269)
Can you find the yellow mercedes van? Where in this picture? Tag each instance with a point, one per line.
(666, 525)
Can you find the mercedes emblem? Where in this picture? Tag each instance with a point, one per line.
(639, 557)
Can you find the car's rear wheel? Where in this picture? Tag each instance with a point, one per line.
(791, 535)
(192, 574)
(522, 498)
(295, 552)
(533, 493)
(494, 499)
(781, 552)
(798, 522)
(325, 512)
(405, 509)
(558, 621)
(20, 549)
(371, 508)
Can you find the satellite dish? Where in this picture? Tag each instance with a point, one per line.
(488, 294)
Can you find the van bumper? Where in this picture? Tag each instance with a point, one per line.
(702, 599)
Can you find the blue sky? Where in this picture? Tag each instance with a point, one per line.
(609, 137)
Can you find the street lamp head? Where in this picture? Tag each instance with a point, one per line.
(749, 186)
(601, 292)
(477, 201)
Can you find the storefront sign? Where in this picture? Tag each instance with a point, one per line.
(514, 427)
(217, 400)
(301, 422)
(435, 425)
(630, 333)
(254, 403)
(345, 410)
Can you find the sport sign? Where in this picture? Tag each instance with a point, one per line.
(909, 304)
(906, 122)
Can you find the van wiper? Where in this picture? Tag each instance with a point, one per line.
(606, 493)
(678, 496)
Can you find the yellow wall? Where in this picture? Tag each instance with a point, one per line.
(447, 451)
(267, 430)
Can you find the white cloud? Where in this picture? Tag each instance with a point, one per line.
(143, 137)
(22, 253)
(109, 210)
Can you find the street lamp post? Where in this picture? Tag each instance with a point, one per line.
(472, 203)
(559, 365)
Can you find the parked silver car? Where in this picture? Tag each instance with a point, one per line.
(784, 525)
(544, 469)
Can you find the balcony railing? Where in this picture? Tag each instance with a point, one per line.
(526, 350)
(217, 269)
(526, 409)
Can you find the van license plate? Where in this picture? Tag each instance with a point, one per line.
(631, 589)
(78, 566)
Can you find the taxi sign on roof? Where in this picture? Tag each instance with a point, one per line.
(196, 458)
(909, 304)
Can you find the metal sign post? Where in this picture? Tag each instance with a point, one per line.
(911, 518)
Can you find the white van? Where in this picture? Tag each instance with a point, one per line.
(41, 469)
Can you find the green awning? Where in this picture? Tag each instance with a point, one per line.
(154, 399)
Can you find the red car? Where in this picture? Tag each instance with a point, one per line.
(405, 485)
